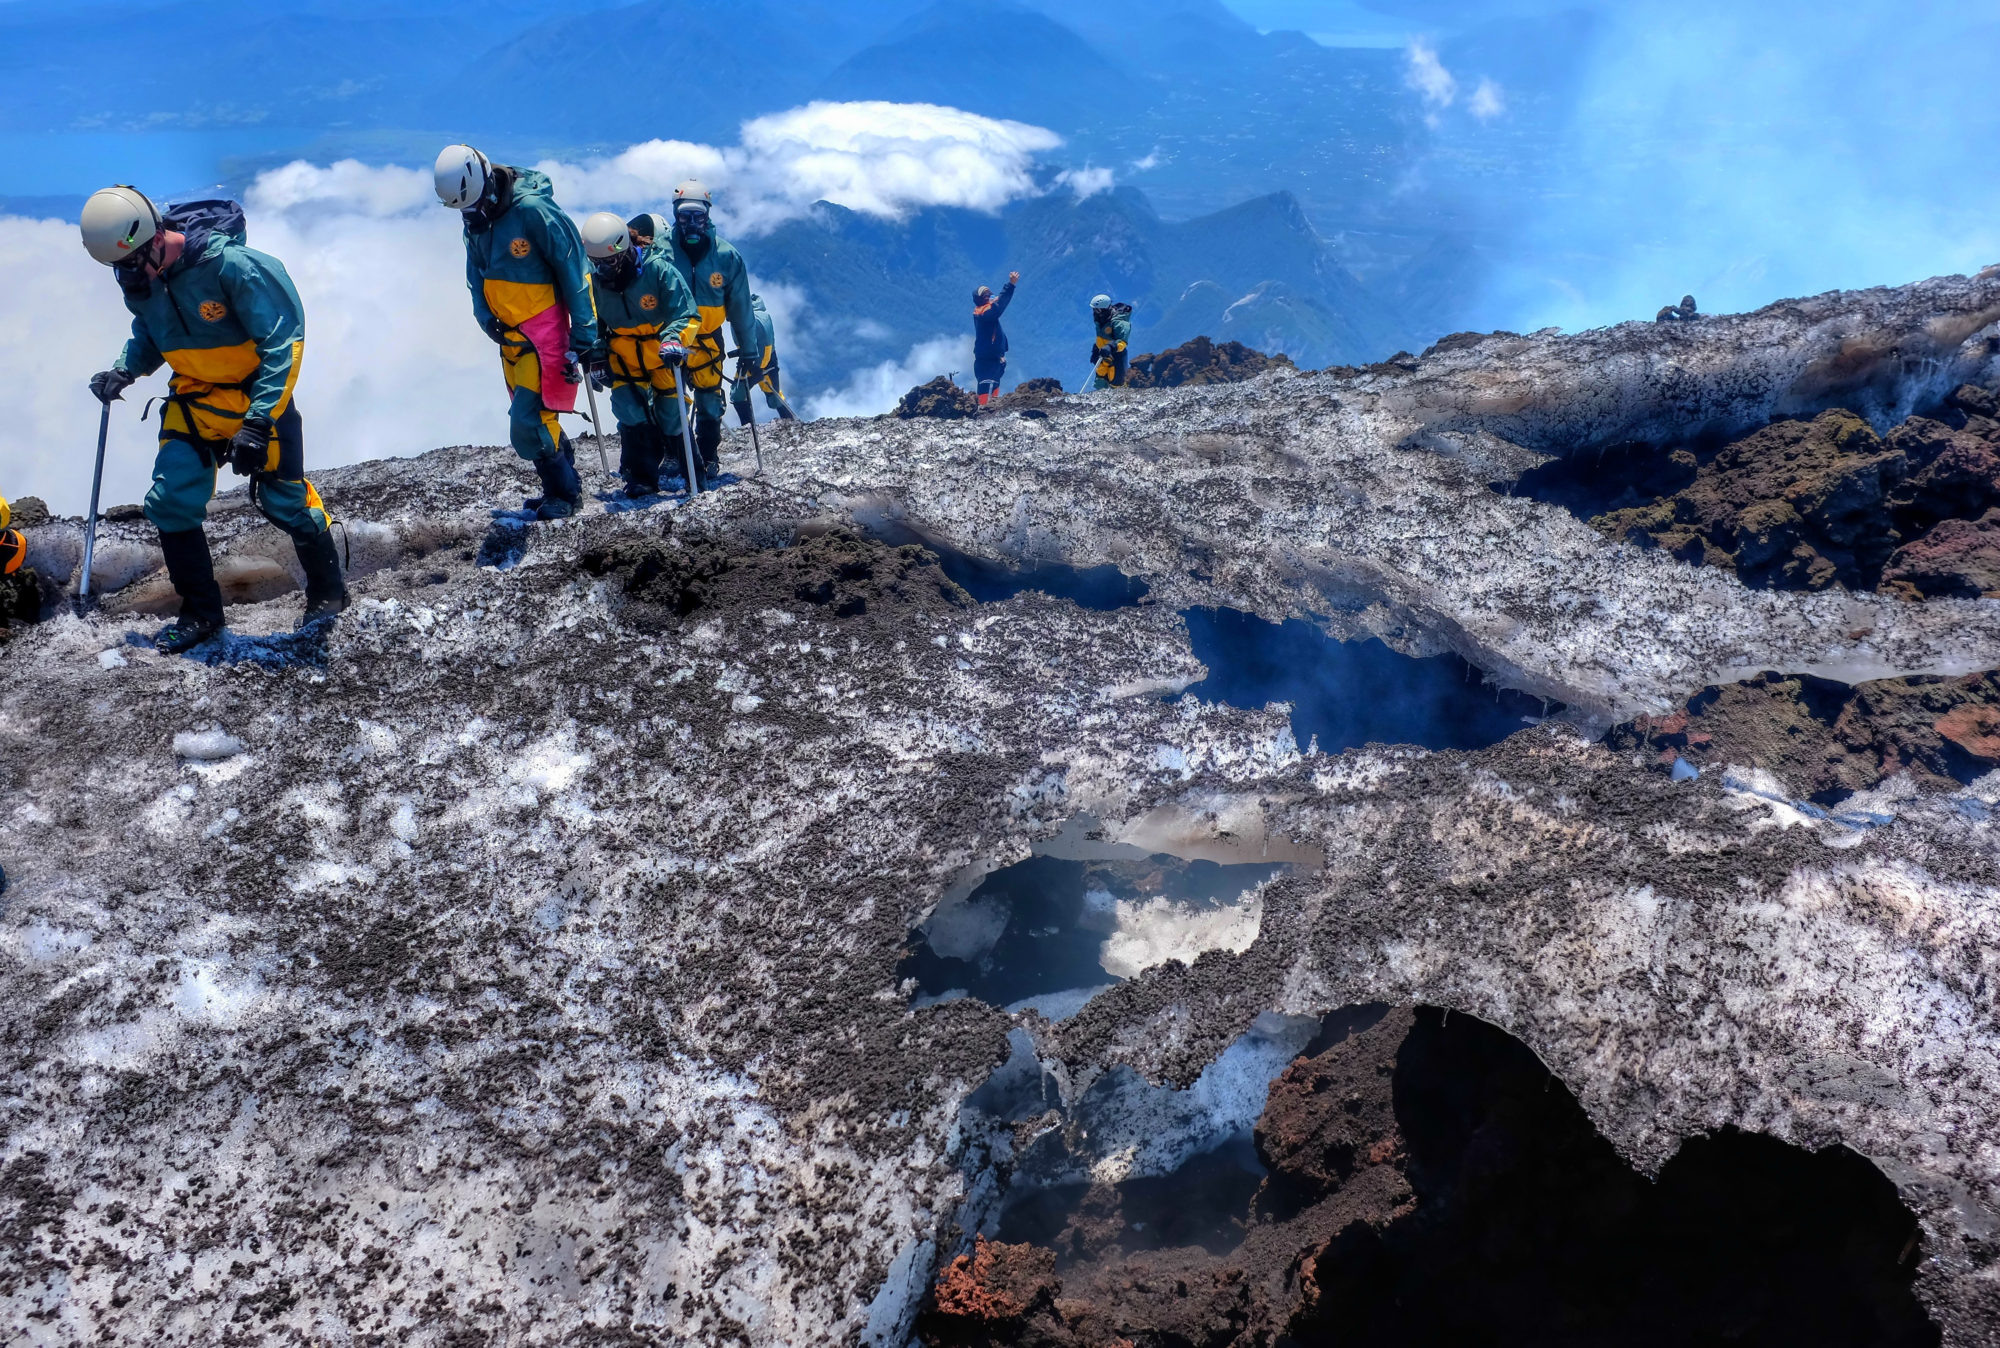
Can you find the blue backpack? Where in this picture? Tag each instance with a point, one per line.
(207, 216)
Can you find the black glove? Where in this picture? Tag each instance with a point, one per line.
(599, 370)
(1098, 353)
(496, 329)
(672, 353)
(572, 368)
(250, 448)
(110, 385)
(749, 369)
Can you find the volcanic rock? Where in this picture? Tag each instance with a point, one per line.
(1812, 504)
(28, 511)
(939, 398)
(1827, 740)
(1201, 361)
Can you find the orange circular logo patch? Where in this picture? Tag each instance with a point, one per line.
(214, 310)
(649, 301)
(519, 248)
(715, 279)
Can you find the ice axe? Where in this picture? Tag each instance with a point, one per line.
(687, 432)
(595, 425)
(90, 527)
(750, 409)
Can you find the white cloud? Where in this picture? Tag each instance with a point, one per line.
(1427, 75)
(1488, 101)
(1085, 182)
(884, 159)
(1149, 163)
(394, 364)
(874, 391)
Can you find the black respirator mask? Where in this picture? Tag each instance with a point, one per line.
(617, 270)
(131, 272)
(692, 225)
(481, 214)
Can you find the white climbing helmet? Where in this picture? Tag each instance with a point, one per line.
(118, 222)
(692, 192)
(605, 235)
(461, 175)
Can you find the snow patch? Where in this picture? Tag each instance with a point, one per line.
(207, 746)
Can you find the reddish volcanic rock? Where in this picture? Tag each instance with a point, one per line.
(1827, 739)
(1958, 558)
(1812, 504)
(997, 1294)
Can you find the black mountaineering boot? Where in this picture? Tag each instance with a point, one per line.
(326, 592)
(707, 445)
(639, 459)
(562, 489)
(566, 452)
(192, 571)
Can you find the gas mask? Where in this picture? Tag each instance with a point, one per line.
(692, 225)
(617, 270)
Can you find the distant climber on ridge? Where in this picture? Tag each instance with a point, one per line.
(525, 266)
(229, 323)
(645, 316)
(767, 355)
(1108, 352)
(720, 280)
(1684, 312)
(989, 341)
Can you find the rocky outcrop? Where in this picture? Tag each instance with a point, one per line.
(1826, 740)
(1812, 504)
(1201, 361)
(940, 398)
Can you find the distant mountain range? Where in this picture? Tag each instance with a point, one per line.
(1257, 273)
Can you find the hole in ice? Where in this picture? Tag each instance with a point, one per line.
(1132, 1165)
(1349, 693)
(1438, 1184)
(1093, 587)
(1051, 932)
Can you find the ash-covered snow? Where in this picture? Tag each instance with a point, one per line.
(530, 975)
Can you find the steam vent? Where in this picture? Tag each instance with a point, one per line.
(1493, 848)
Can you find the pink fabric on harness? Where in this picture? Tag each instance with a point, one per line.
(549, 331)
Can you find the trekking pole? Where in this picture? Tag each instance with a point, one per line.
(90, 528)
(687, 434)
(596, 425)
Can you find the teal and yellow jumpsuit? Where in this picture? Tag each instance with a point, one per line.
(1112, 340)
(645, 391)
(226, 319)
(767, 356)
(720, 282)
(530, 285)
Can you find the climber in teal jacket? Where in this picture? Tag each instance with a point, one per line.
(530, 284)
(648, 319)
(1109, 349)
(767, 356)
(227, 320)
(720, 280)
